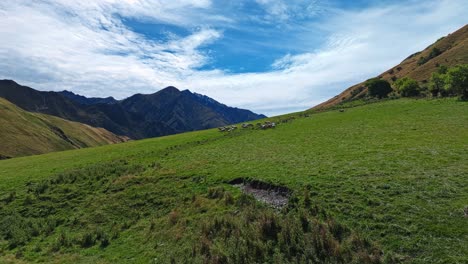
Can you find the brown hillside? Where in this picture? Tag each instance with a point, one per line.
(453, 51)
(24, 133)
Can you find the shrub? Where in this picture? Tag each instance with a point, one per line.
(434, 53)
(442, 69)
(456, 82)
(407, 87)
(378, 88)
(436, 83)
(357, 91)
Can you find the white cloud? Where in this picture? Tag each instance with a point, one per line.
(90, 50)
(83, 46)
(284, 10)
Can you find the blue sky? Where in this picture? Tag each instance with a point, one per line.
(271, 56)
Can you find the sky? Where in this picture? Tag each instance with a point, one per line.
(269, 56)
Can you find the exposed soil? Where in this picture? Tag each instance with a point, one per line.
(273, 195)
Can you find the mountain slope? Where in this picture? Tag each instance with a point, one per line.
(393, 173)
(181, 111)
(23, 133)
(88, 101)
(448, 51)
(166, 112)
(112, 118)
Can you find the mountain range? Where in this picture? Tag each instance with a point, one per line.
(168, 111)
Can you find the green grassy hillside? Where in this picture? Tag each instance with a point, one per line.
(384, 182)
(24, 133)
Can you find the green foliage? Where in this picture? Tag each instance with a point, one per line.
(436, 84)
(357, 91)
(450, 82)
(434, 53)
(457, 81)
(442, 69)
(407, 87)
(378, 88)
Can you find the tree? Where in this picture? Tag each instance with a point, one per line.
(442, 69)
(407, 87)
(456, 82)
(434, 53)
(436, 84)
(378, 88)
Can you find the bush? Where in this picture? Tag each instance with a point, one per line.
(450, 82)
(407, 87)
(434, 53)
(436, 84)
(456, 82)
(378, 88)
(442, 69)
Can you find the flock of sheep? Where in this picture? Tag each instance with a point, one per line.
(265, 125)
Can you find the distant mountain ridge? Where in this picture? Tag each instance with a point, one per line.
(447, 51)
(168, 111)
(88, 101)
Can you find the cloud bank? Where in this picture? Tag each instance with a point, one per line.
(86, 47)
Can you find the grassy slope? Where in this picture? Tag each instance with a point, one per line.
(24, 133)
(454, 49)
(394, 171)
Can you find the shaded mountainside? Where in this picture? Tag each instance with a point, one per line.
(182, 111)
(166, 112)
(447, 51)
(24, 133)
(111, 117)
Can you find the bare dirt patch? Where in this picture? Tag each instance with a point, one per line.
(273, 195)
